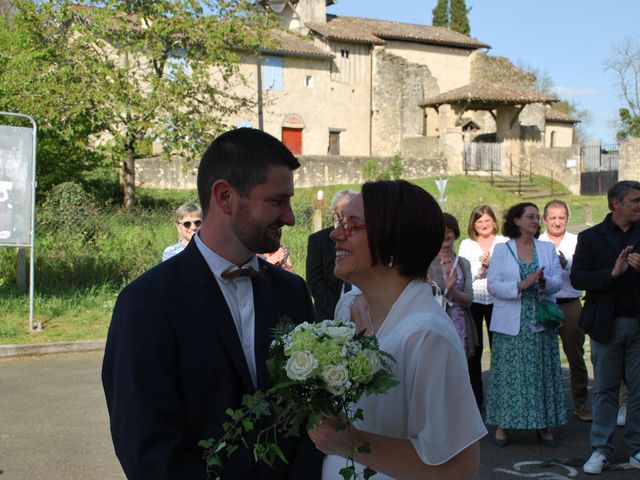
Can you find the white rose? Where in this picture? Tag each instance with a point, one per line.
(301, 365)
(336, 377)
(340, 334)
(374, 359)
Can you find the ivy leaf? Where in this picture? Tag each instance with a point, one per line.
(364, 448)
(368, 473)
(347, 473)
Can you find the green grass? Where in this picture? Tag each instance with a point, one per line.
(77, 283)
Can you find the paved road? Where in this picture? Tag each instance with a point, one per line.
(53, 426)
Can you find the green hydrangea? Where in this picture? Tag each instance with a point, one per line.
(360, 368)
(301, 341)
(327, 353)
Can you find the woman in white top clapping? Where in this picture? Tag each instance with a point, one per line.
(482, 231)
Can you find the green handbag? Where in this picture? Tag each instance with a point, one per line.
(549, 314)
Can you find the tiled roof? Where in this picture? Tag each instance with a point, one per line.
(487, 95)
(289, 43)
(552, 115)
(369, 30)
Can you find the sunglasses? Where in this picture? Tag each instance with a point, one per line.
(347, 223)
(187, 224)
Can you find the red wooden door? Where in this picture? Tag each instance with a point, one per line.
(292, 138)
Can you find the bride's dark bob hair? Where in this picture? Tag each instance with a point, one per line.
(405, 226)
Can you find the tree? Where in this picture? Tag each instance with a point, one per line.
(441, 14)
(56, 99)
(146, 70)
(459, 18)
(626, 65)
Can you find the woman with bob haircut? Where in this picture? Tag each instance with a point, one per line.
(428, 426)
(478, 248)
(525, 387)
(452, 274)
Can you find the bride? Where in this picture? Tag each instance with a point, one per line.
(429, 425)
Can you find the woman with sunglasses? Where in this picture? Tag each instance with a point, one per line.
(428, 426)
(188, 219)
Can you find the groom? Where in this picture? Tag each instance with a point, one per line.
(190, 337)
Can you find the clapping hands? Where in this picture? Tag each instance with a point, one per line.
(625, 258)
(533, 277)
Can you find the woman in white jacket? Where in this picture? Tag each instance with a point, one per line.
(525, 388)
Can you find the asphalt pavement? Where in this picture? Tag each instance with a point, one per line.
(54, 426)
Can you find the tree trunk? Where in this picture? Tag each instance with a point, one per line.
(129, 179)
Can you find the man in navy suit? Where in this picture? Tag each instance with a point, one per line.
(321, 260)
(190, 337)
(606, 264)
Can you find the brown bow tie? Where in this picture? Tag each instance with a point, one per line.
(247, 271)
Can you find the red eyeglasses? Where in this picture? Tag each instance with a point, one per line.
(347, 223)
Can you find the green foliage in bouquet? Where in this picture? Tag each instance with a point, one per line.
(316, 369)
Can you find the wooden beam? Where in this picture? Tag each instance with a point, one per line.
(515, 117)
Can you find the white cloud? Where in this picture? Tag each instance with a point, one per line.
(575, 92)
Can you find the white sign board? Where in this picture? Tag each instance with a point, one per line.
(16, 184)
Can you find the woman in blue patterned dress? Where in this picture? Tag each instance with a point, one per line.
(525, 388)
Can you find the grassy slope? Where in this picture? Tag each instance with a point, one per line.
(83, 313)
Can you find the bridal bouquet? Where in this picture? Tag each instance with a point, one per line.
(316, 369)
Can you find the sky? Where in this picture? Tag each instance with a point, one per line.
(569, 39)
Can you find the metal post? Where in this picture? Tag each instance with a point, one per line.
(552, 183)
(510, 166)
(520, 182)
(491, 169)
(260, 112)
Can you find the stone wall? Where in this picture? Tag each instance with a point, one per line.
(315, 171)
(563, 164)
(629, 158)
(398, 87)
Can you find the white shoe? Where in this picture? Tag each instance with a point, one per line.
(596, 463)
(622, 417)
(634, 460)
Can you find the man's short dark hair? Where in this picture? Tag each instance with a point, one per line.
(509, 227)
(476, 213)
(242, 157)
(620, 190)
(556, 204)
(405, 226)
(451, 223)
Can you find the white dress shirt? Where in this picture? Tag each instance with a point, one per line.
(567, 247)
(238, 293)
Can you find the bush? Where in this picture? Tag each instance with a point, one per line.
(70, 214)
(373, 171)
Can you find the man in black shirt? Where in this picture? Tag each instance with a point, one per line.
(606, 265)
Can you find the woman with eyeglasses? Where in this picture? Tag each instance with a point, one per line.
(525, 389)
(188, 218)
(428, 426)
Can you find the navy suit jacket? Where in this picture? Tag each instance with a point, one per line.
(594, 258)
(321, 260)
(174, 363)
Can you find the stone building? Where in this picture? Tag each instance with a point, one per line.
(361, 88)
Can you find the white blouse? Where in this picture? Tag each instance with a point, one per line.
(433, 406)
(472, 251)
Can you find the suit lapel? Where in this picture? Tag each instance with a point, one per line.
(215, 309)
(264, 323)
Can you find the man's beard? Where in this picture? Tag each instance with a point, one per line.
(254, 237)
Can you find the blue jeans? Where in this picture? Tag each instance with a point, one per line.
(613, 361)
